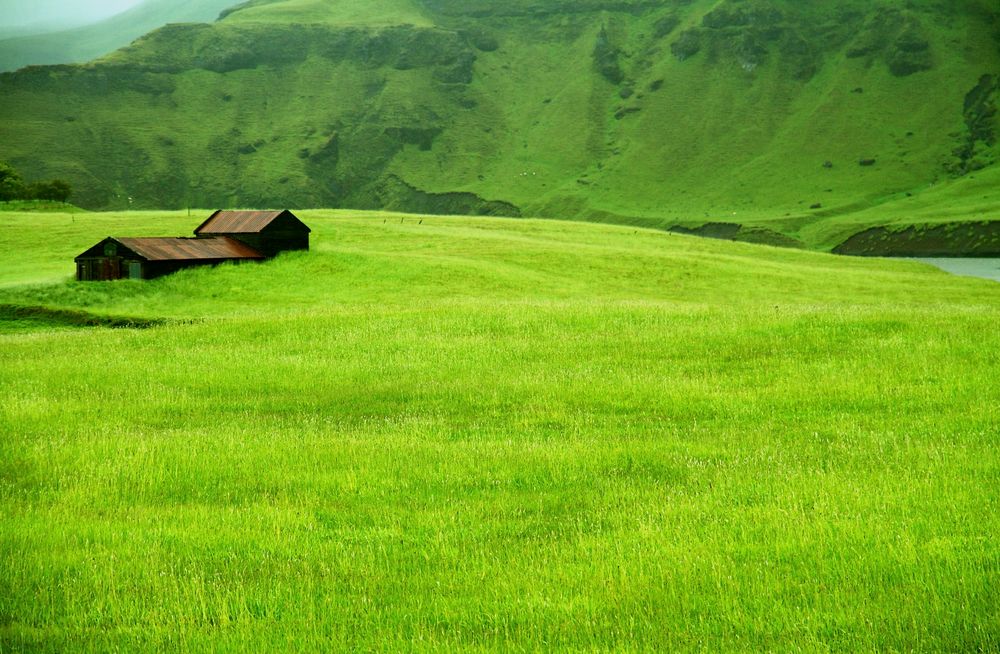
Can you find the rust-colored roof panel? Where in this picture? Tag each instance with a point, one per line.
(237, 222)
(179, 249)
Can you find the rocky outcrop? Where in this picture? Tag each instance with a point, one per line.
(393, 193)
(747, 34)
(606, 58)
(970, 239)
(897, 38)
(738, 232)
(980, 114)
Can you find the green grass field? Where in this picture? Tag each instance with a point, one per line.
(433, 434)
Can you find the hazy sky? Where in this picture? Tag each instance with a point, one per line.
(14, 13)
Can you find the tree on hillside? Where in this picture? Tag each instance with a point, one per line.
(11, 184)
(57, 190)
(12, 187)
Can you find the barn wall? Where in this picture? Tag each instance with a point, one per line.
(103, 269)
(100, 269)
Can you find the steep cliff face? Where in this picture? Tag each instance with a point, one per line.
(618, 109)
(251, 114)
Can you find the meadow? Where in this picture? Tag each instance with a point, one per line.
(445, 433)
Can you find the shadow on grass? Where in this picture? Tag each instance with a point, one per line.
(15, 317)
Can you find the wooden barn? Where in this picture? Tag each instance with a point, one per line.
(268, 232)
(227, 236)
(147, 258)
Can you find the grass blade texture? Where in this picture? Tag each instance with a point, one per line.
(433, 434)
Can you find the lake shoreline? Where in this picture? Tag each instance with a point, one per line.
(982, 267)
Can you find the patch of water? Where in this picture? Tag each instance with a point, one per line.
(967, 266)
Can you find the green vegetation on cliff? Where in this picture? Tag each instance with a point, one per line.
(787, 118)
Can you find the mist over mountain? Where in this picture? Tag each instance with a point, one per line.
(659, 113)
(78, 33)
(38, 13)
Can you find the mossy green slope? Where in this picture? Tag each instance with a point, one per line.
(435, 433)
(758, 113)
(373, 13)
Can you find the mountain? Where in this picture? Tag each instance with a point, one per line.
(789, 122)
(83, 43)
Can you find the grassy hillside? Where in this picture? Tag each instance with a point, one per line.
(374, 13)
(445, 433)
(766, 114)
(87, 42)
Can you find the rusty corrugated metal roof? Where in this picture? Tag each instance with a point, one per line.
(178, 249)
(237, 222)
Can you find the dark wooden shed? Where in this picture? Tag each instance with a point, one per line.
(268, 232)
(148, 258)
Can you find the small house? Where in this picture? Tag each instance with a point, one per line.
(268, 232)
(227, 236)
